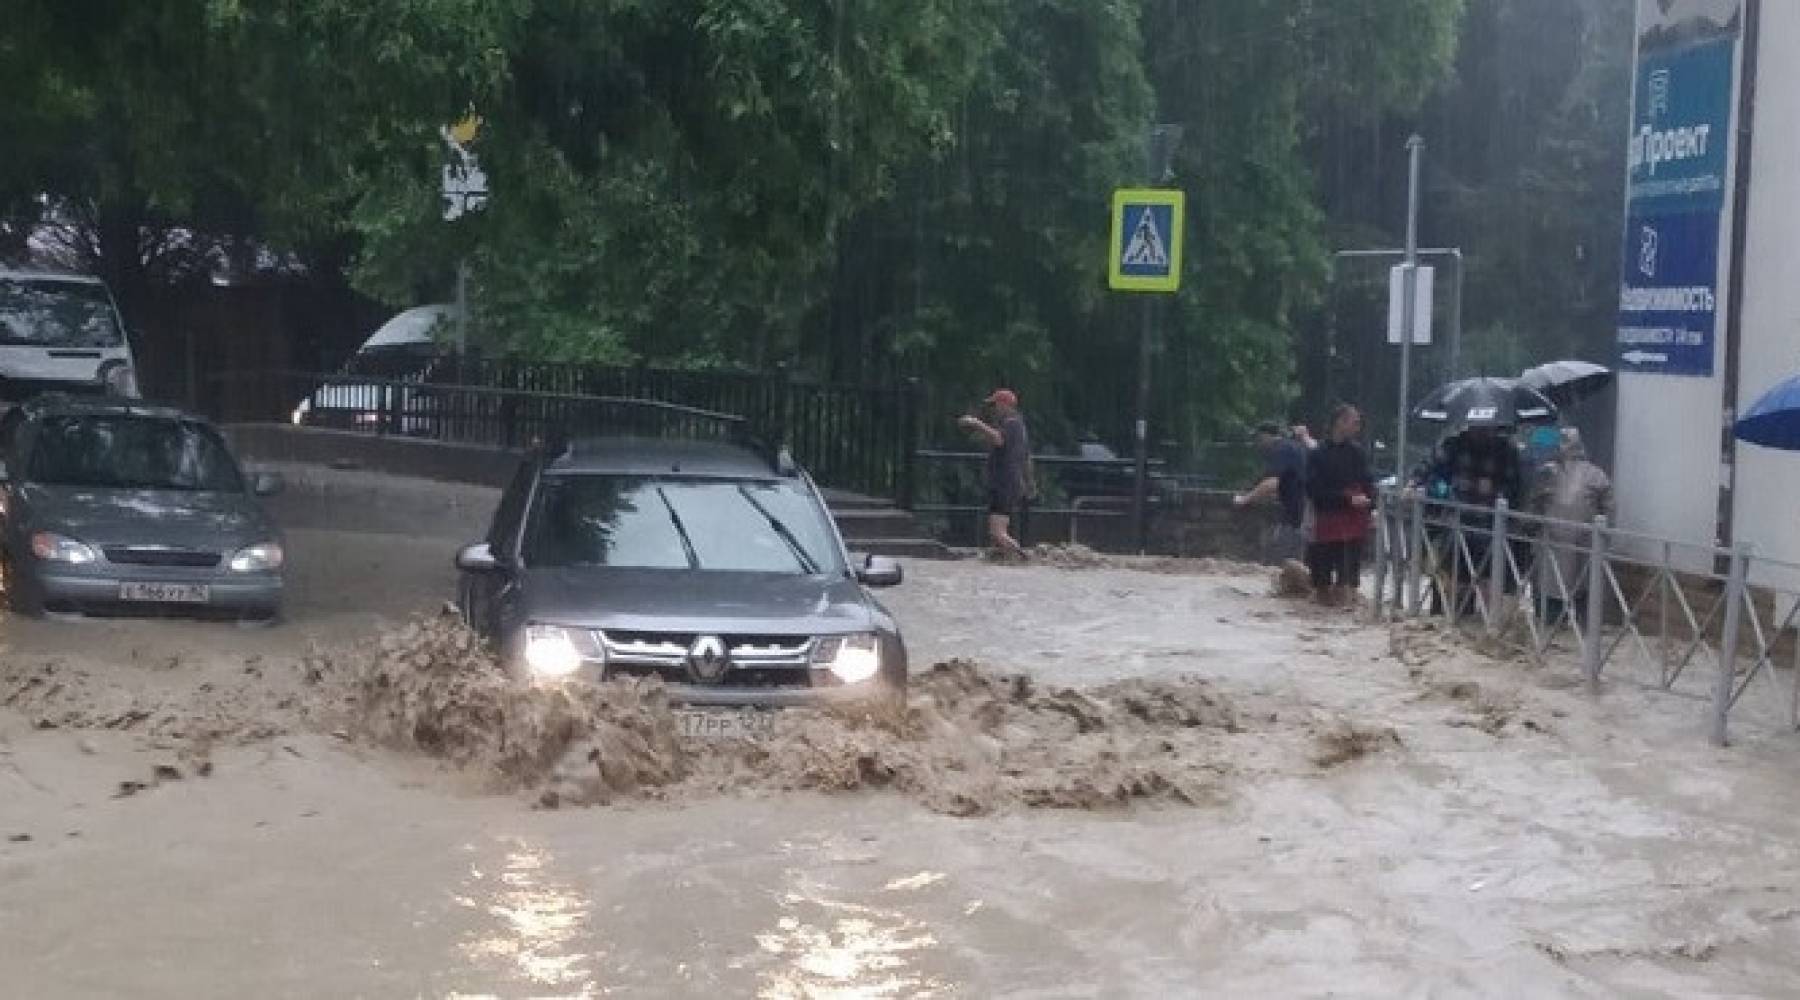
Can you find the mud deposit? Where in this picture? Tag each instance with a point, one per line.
(968, 742)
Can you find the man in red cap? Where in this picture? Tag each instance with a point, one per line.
(1009, 473)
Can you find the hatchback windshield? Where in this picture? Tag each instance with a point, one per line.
(662, 523)
(56, 314)
(120, 452)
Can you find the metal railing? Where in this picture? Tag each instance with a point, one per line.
(1680, 616)
(1071, 489)
(856, 438)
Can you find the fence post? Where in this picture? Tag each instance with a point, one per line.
(1385, 555)
(1498, 560)
(1596, 604)
(1728, 641)
(1415, 555)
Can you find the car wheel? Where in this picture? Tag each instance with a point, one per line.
(17, 590)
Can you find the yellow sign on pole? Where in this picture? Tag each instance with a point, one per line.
(1147, 229)
(465, 131)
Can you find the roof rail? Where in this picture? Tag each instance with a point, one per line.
(772, 449)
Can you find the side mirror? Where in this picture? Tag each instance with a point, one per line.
(267, 484)
(880, 571)
(5, 474)
(478, 558)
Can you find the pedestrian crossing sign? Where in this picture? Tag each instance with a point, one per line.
(1147, 227)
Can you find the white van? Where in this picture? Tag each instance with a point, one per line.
(403, 349)
(61, 333)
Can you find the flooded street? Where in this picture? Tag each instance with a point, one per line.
(1378, 816)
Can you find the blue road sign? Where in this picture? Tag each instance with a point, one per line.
(1147, 227)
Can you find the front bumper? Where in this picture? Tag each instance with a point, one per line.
(248, 593)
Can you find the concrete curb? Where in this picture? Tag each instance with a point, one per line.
(476, 465)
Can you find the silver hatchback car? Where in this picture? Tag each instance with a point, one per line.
(112, 506)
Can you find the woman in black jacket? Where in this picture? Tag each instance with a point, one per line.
(1342, 491)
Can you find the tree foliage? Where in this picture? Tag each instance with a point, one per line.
(851, 188)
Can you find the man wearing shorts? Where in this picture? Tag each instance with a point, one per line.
(1009, 473)
(1283, 480)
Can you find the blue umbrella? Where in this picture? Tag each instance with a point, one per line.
(1774, 420)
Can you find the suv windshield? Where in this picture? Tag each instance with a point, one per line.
(56, 314)
(122, 452)
(670, 523)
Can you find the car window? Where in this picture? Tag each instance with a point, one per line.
(654, 523)
(130, 452)
(57, 314)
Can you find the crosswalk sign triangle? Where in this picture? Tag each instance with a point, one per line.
(1146, 248)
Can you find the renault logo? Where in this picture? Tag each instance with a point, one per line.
(708, 658)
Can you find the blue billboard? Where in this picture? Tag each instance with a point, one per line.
(1681, 129)
(1668, 302)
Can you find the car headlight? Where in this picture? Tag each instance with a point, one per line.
(852, 658)
(553, 652)
(49, 546)
(120, 380)
(262, 558)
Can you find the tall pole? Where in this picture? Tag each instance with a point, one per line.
(462, 307)
(1140, 490)
(1415, 146)
(1456, 319)
(1159, 151)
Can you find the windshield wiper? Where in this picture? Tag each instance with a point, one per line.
(687, 544)
(807, 562)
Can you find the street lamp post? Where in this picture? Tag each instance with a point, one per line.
(1159, 154)
(1415, 147)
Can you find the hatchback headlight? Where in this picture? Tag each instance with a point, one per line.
(49, 546)
(266, 557)
(553, 653)
(852, 658)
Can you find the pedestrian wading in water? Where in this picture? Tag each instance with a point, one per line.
(1010, 479)
(1342, 491)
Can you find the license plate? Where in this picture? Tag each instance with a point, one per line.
(715, 726)
(165, 593)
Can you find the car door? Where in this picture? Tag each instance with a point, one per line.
(481, 594)
(11, 426)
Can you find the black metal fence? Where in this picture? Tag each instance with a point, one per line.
(851, 437)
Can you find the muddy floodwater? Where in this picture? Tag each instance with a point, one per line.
(1201, 790)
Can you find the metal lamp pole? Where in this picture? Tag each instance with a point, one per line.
(1415, 147)
(1159, 151)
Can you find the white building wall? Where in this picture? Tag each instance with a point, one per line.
(1766, 500)
(1667, 455)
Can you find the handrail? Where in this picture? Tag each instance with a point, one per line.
(1621, 594)
(339, 380)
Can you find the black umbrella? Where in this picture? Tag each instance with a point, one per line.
(1486, 402)
(1566, 383)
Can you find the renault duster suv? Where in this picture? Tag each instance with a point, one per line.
(709, 565)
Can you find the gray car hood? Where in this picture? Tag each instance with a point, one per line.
(658, 600)
(175, 518)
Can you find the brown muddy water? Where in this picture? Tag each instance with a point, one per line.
(1114, 783)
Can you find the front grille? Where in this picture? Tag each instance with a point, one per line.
(755, 660)
(155, 556)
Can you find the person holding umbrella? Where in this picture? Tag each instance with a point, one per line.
(1342, 491)
(1479, 464)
